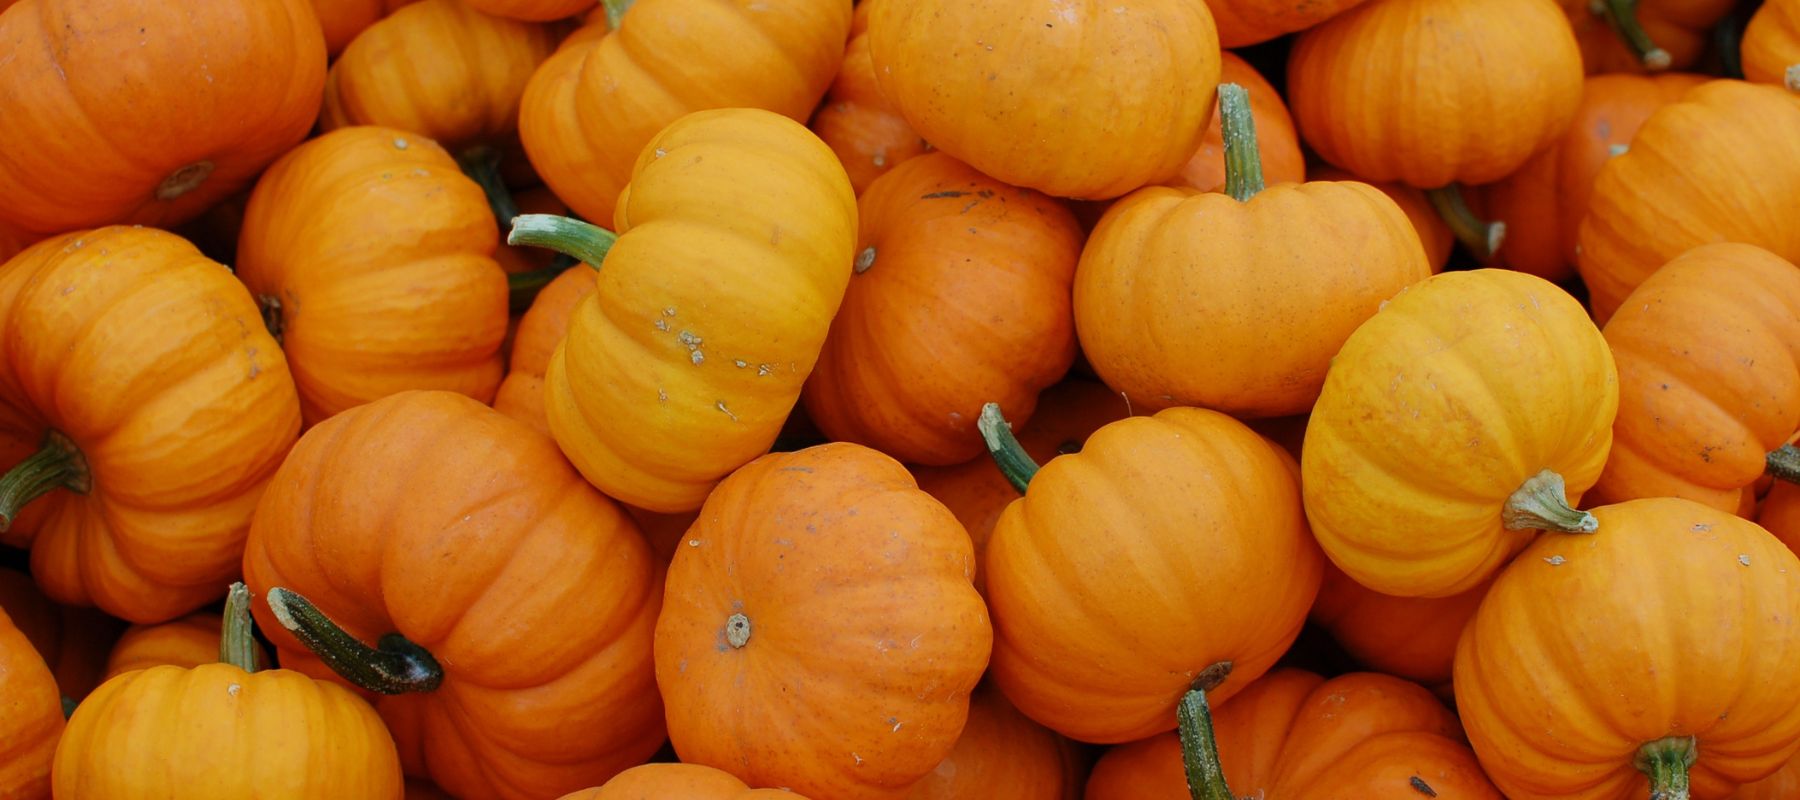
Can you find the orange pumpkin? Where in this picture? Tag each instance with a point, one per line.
(1780, 513)
(148, 112)
(1246, 22)
(994, 264)
(1237, 301)
(1003, 755)
(1707, 599)
(1771, 46)
(1720, 134)
(1293, 734)
(685, 781)
(866, 131)
(187, 642)
(372, 256)
(513, 603)
(1433, 232)
(31, 719)
(1782, 785)
(533, 10)
(11, 242)
(1170, 548)
(1278, 144)
(821, 591)
(74, 641)
(142, 408)
(585, 118)
(344, 19)
(1132, 90)
(1643, 35)
(1451, 427)
(529, 270)
(540, 332)
(1408, 637)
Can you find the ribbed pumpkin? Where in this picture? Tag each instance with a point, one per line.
(513, 604)
(1709, 599)
(1408, 637)
(736, 238)
(186, 642)
(861, 125)
(1003, 755)
(142, 409)
(1237, 301)
(1133, 86)
(1708, 350)
(1433, 232)
(344, 19)
(372, 256)
(1278, 144)
(1782, 785)
(540, 332)
(534, 10)
(148, 111)
(1450, 428)
(73, 640)
(684, 781)
(820, 592)
(994, 264)
(31, 719)
(1720, 134)
(1771, 46)
(1643, 35)
(585, 118)
(1246, 22)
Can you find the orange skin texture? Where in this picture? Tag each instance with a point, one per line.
(1408, 637)
(154, 362)
(342, 20)
(215, 731)
(977, 491)
(31, 719)
(380, 253)
(1782, 785)
(1189, 298)
(965, 302)
(1096, 575)
(1276, 138)
(540, 332)
(532, 10)
(1680, 27)
(1355, 87)
(585, 118)
(1708, 350)
(1247, 22)
(106, 100)
(1003, 755)
(1133, 89)
(1780, 513)
(1722, 133)
(859, 124)
(1553, 674)
(1434, 234)
(1436, 411)
(1772, 42)
(12, 242)
(187, 642)
(684, 781)
(431, 515)
(736, 238)
(74, 641)
(1543, 203)
(863, 627)
(1295, 735)
(440, 69)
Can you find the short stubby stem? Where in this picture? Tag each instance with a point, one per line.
(1622, 16)
(737, 630)
(1666, 762)
(1009, 455)
(237, 641)
(1199, 747)
(1243, 161)
(1784, 463)
(583, 241)
(615, 12)
(57, 464)
(1482, 237)
(395, 666)
(1542, 504)
(270, 306)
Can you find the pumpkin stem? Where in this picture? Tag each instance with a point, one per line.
(615, 12)
(270, 306)
(1009, 455)
(737, 630)
(1666, 761)
(584, 241)
(237, 642)
(69, 704)
(1199, 748)
(1483, 238)
(482, 164)
(1784, 464)
(1542, 504)
(1243, 162)
(1726, 37)
(394, 666)
(1792, 79)
(1622, 16)
(522, 287)
(56, 465)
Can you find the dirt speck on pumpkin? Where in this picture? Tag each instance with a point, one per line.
(233, 690)
(1744, 558)
(1556, 561)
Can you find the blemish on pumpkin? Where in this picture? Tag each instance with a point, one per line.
(233, 690)
(1556, 561)
(727, 411)
(669, 311)
(662, 396)
(865, 260)
(1419, 785)
(661, 152)
(1744, 558)
(184, 180)
(400, 144)
(944, 194)
(1701, 527)
(763, 369)
(693, 543)
(858, 759)
(697, 357)
(741, 364)
(662, 325)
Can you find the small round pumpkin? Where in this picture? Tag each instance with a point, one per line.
(1433, 232)
(1277, 143)
(31, 718)
(685, 781)
(1133, 86)
(73, 640)
(540, 332)
(534, 10)
(1771, 46)
(1003, 755)
(342, 20)
(859, 124)
(1408, 637)
(187, 642)
(1634, 36)
(1451, 427)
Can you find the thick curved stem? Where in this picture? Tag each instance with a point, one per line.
(1622, 16)
(1542, 504)
(1199, 748)
(1666, 762)
(1483, 238)
(395, 666)
(1009, 455)
(1243, 162)
(586, 242)
(482, 164)
(615, 12)
(56, 465)
(237, 642)
(1784, 464)
(522, 287)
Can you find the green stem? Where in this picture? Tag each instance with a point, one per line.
(1622, 16)
(1483, 238)
(237, 640)
(523, 287)
(1243, 163)
(1199, 748)
(394, 666)
(69, 704)
(482, 164)
(615, 12)
(1014, 462)
(57, 464)
(1784, 463)
(584, 241)
(1726, 37)
(1542, 504)
(1666, 761)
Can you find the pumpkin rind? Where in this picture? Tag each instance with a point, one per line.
(1771, 45)
(540, 332)
(1434, 234)
(31, 718)
(861, 125)
(73, 640)
(1003, 755)
(342, 20)
(1247, 22)
(1413, 638)
(685, 781)
(532, 10)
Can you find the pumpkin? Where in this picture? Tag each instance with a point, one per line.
(142, 409)
(686, 781)
(866, 131)
(74, 641)
(541, 330)
(1361, 736)
(225, 729)
(821, 591)
(1247, 22)
(736, 238)
(1780, 513)
(11, 242)
(513, 604)
(1771, 45)
(1003, 755)
(1708, 598)
(372, 257)
(342, 20)
(187, 642)
(585, 118)
(148, 112)
(31, 719)
(1708, 350)
(1133, 89)
(994, 264)
(1237, 301)
(1433, 232)
(1720, 134)
(1784, 784)
(529, 270)
(1169, 554)
(1643, 35)
(533, 10)
(1277, 142)
(1471, 412)
(1408, 637)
